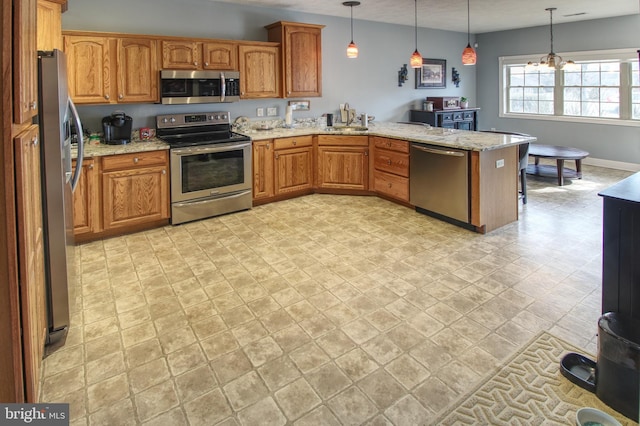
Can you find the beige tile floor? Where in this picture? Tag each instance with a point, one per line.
(323, 310)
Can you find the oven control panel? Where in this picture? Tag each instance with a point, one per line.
(192, 120)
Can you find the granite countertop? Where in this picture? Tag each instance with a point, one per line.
(102, 149)
(450, 138)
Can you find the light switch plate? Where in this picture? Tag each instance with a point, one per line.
(272, 112)
(499, 163)
(260, 112)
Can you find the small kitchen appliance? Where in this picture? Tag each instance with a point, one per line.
(117, 128)
(210, 165)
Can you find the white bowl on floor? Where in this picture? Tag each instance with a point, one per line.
(587, 415)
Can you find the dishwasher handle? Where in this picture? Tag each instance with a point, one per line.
(439, 151)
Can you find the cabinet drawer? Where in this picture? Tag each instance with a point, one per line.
(391, 185)
(137, 159)
(468, 115)
(293, 142)
(446, 116)
(458, 116)
(391, 144)
(391, 162)
(343, 140)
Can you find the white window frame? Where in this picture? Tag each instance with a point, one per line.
(624, 55)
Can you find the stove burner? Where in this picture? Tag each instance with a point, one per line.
(182, 130)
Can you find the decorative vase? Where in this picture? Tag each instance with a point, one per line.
(464, 104)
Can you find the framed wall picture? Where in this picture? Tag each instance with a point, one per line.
(432, 74)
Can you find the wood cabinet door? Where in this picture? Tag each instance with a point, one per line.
(25, 61)
(137, 70)
(293, 170)
(86, 206)
(31, 257)
(135, 196)
(181, 55)
(219, 56)
(302, 61)
(259, 68)
(343, 167)
(88, 69)
(262, 169)
(49, 19)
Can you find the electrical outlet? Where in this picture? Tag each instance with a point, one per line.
(499, 163)
(260, 112)
(272, 112)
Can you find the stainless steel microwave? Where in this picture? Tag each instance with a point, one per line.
(199, 87)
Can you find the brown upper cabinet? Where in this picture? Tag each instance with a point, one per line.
(259, 71)
(194, 55)
(301, 57)
(94, 62)
(49, 19)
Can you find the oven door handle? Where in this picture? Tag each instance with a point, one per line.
(208, 149)
(195, 203)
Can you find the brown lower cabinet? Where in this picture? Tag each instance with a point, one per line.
(121, 193)
(391, 167)
(293, 165)
(343, 162)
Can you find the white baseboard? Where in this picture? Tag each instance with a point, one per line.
(609, 164)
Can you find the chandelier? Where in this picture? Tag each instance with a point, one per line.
(552, 60)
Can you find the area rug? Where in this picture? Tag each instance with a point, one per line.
(528, 390)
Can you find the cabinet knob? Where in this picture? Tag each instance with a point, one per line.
(90, 166)
(33, 105)
(34, 141)
(277, 156)
(268, 145)
(206, 64)
(135, 160)
(366, 153)
(294, 143)
(388, 162)
(106, 97)
(389, 184)
(164, 171)
(195, 63)
(120, 96)
(389, 144)
(288, 92)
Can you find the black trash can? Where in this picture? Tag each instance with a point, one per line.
(618, 364)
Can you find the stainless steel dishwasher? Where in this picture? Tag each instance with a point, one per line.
(439, 181)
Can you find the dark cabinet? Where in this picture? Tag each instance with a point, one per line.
(621, 248)
(463, 119)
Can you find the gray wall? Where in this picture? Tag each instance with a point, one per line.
(369, 83)
(608, 142)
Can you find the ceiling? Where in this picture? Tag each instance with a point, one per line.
(486, 15)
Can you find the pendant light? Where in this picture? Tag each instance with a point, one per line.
(552, 60)
(416, 58)
(352, 49)
(468, 54)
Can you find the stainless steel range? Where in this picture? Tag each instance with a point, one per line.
(210, 165)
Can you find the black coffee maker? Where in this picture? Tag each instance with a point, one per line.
(117, 128)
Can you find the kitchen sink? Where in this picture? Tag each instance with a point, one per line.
(347, 129)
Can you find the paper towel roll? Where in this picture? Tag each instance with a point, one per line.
(288, 116)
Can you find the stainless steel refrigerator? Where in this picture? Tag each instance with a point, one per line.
(56, 113)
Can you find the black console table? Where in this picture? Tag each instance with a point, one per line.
(621, 248)
(464, 119)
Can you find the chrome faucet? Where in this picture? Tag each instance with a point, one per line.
(350, 118)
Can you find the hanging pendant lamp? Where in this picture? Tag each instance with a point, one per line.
(352, 49)
(416, 58)
(552, 60)
(468, 54)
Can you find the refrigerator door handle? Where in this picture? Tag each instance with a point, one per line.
(78, 171)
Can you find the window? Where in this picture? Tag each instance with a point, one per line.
(601, 86)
